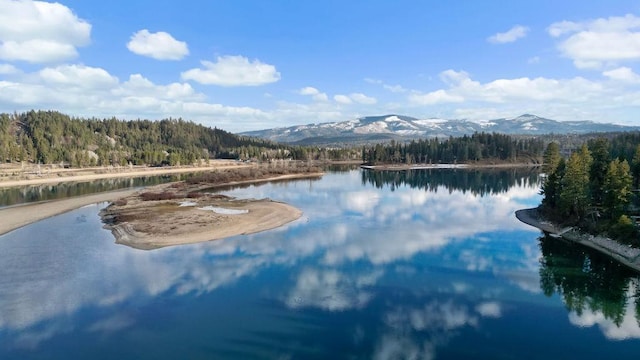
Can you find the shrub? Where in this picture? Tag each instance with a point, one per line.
(150, 196)
(625, 231)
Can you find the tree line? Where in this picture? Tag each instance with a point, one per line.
(478, 147)
(47, 137)
(594, 187)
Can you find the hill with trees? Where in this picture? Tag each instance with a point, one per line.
(48, 137)
(595, 187)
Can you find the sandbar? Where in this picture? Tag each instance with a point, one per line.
(166, 223)
(172, 224)
(15, 217)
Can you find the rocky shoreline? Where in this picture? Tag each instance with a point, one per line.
(624, 254)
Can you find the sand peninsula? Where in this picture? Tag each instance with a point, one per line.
(190, 211)
(227, 216)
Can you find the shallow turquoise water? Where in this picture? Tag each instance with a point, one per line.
(422, 265)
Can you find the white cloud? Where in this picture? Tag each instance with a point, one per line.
(358, 98)
(435, 97)
(90, 91)
(512, 92)
(8, 69)
(160, 45)
(363, 99)
(40, 32)
(78, 76)
(233, 71)
(314, 93)
(342, 99)
(513, 34)
(595, 43)
(623, 74)
(137, 84)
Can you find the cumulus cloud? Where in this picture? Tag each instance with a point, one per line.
(78, 76)
(159, 45)
(7, 69)
(314, 93)
(623, 74)
(595, 43)
(233, 71)
(342, 99)
(358, 98)
(435, 97)
(511, 35)
(462, 88)
(40, 32)
(91, 91)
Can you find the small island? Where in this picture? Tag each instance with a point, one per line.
(191, 211)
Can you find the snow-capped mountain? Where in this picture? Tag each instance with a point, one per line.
(399, 127)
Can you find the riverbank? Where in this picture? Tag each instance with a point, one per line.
(626, 255)
(404, 167)
(48, 174)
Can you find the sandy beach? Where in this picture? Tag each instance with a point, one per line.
(18, 216)
(195, 224)
(88, 174)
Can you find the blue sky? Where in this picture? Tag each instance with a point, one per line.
(247, 65)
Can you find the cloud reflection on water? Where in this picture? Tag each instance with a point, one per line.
(343, 224)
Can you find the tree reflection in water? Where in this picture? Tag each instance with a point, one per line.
(589, 282)
(481, 181)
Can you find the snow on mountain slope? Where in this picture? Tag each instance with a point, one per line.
(405, 127)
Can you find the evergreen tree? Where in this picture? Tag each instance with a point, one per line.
(617, 188)
(574, 197)
(599, 149)
(551, 158)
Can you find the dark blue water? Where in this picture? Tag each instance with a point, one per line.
(417, 266)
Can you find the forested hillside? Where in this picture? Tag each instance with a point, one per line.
(47, 137)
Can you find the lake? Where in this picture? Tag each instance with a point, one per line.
(425, 264)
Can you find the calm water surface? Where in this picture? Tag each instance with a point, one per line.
(417, 265)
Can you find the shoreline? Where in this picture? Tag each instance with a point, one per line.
(16, 217)
(404, 167)
(90, 174)
(627, 256)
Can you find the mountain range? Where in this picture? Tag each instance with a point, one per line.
(400, 127)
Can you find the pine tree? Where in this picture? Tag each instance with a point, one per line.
(574, 195)
(551, 158)
(617, 188)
